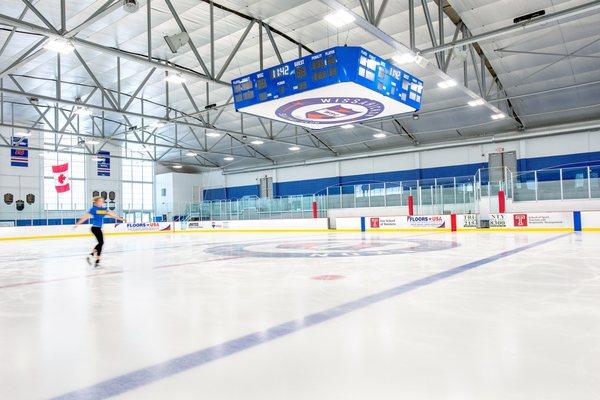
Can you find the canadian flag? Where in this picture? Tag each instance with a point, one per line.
(61, 181)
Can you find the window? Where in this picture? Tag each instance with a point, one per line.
(138, 189)
(75, 198)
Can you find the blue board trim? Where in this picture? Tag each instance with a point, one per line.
(577, 221)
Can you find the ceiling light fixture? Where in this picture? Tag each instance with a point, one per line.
(476, 102)
(175, 78)
(498, 116)
(177, 41)
(191, 154)
(339, 18)
(447, 84)
(159, 124)
(294, 148)
(59, 46)
(91, 142)
(213, 134)
(228, 158)
(257, 142)
(379, 135)
(177, 166)
(347, 126)
(404, 58)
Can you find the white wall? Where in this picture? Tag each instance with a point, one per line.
(179, 191)
(23, 180)
(570, 143)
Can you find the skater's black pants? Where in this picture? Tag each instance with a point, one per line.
(97, 231)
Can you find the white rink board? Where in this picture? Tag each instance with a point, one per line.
(532, 221)
(255, 225)
(70, 230)
(590, 220)
(441, 222)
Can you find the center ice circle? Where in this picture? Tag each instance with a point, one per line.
(331, 248)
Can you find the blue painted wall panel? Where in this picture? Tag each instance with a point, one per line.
(312, 186)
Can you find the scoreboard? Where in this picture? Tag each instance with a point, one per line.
(334, 87)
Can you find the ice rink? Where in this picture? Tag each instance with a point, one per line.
(303, 316)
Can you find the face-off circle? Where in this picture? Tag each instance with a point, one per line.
(329, 110)
(330, 248)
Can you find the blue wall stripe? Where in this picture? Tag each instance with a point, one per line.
(318, 186)
(145, 376)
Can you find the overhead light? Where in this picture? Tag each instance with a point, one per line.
(159, 124)
(477, 102)
(131, 6)
(257, 142)
(379, 135)
(97, 158)
(177, 166)
(404, 58)
(347, 126)
(339, 18)
(92, 141)
(59, 46)
(175, 78)
(22, 134)
(191, 154)
(293, 148)
(447, 84)
(228, 158)
(421, 61)
(82, 111)
(177, 41)
(415, 116)
(498, 116)
(213, 134)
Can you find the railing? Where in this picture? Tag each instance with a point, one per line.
(430, 196)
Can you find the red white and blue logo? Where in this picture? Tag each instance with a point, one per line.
(330, 110)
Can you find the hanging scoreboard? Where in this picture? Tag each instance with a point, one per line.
(334, 87)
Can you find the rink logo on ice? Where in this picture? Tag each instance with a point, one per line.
(520, 220)
(330, 110)
(148, 227)
(331, 248)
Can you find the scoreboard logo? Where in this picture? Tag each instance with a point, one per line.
(330, 110)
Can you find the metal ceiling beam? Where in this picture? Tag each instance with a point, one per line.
(164, 65)
(541, 53)
(400, 47)
(515, 28)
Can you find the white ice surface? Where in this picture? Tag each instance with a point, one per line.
(526, 326)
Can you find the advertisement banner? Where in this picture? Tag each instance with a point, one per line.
(497, 221)
(421, 221)
(469, 221)
(19, 157)
(145, 227)
(103, 163)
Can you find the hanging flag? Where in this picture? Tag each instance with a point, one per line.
(104, 163)
(61, 181)
(19, 157)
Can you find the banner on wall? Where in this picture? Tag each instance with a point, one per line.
(104, 163)
(145, 226)
(19, 157)
(61, 180)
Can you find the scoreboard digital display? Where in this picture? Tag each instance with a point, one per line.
(333, 87)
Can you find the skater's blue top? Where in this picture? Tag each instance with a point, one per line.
(98, 214)
(328, 67)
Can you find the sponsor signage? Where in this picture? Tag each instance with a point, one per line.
(497, 221)
(520, 219)
(421, 221)
(148, 227)
(470, 221)
(426, 221)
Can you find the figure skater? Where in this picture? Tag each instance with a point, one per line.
(97, 214)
